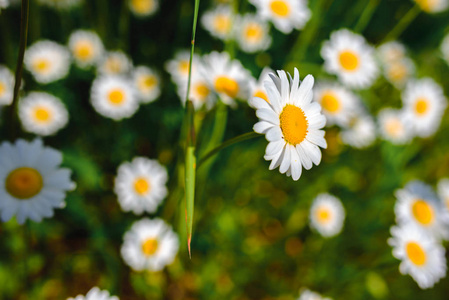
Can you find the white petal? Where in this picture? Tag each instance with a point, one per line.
(268, 115)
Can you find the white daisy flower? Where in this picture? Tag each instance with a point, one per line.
(348, 56)
(339, 104)
(433, 6)
(310, 295)
(327, 215)
(42, 114)
(31, 182)
(60, 4)
(443, 192)
(218, 21)
(141, 185)
(114, 97)
(150, 245)
(395, 126)
(399, 72)
(228, 77)
(178, 67)
(292, 124)
(6, 86)
(286, 15)
(86, 48)
(417, 204)
(391, 52)
(47, 61)
(257, 88)
(95, 294)
(252, 33)
(115, 63)
(422, 257)
(147, 83)
(361, 132)
(143, 8)
(425, 103)
(445, 48)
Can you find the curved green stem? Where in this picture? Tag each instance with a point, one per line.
(403, 24)
(366, 15)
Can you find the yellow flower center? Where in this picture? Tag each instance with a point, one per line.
(349, 60)
(293, 124)
(330, 102)
(415, 253)
(261, 94)
(227, 86)
(397, 72)
(280, 8)
(113, 65)
(142, 186)
(147, 82)
(222, 23)
(422, 212)
(323, 215)
(116, 96)
(202, 90)
(150, 246)
(427, 5)
(24, 183)
(142, 6)
(253, 32)
(2, 88)
(393, 127)
(83, 51)
(42, 65)
(421, 106)
(42, 114)
(184, 67)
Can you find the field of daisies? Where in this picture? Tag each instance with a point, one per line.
(224, 149)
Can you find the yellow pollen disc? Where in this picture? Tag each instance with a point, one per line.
(422, 212)
(113, 65)
(330, 102)
(253, 32)
(349, 60)
(427, 5)
(83, 51)
(42, 114)
(24, 183)
(261, 94)
(147, 82)
(141, 186)
(293, 124)
(42, 65)
(202, 90)
(150, 246)
(415, 253)
(116, 96)
(280, 8)
(142, 6)
(323, 215)
(397, 72)
(222, 24)
(184, 67)
(393, 127)
(421, 106)
(227, 86)
(2, 89)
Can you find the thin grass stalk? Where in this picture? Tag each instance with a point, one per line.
(405, 21)
(366, 16)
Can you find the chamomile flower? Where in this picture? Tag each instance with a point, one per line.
(252, 33)
(292, 124)
(218, 22)
(339, 104)
(391, 52)
(141, 185)
(422, 257)
(6, 86)
(310, 295)
(114, 97)
(42, 114)
(443, 192)
(147, 83)
(143, 8)
(150, 245)
(399, 72)
(418, 205)
(228, 77)
(86, 48)
(201, 93)
(348, 56)
(115, 63)
(361, 132)
(178, 67)
(60, 4)
(327, 215)
(95, 294)
(445, 48)
(433, 6)
(425, 103)
(286, 15)
(395, 126)
(31, 182)
(47, 61)
(257, 88)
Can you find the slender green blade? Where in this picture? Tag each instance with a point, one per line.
(190, 170)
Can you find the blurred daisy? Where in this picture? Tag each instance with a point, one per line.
(339, 104)
(95, 294)
(291, 122)
(178, 67)
(421, 256)
(327, 215)
(3, 4)
(114, 97)
(150, 245)
(310, 295)
(86, 48)
(60, 4)
(443, 192)
(399, 72)
(391, 52)
(47, 61)
(445, 48)
(42, 114)
(425, 103)
(6, 86)
(348, 56)
(143, 8)
(252, 33)
(228, 77)
(257, 88)
(31, 182)
(218, 21)
(201, 93)
(395, 126)
(147, 84)
(361, 132)
(286, 15)
(115, 63)
(417, 204)
(141, 185)
(433, 6)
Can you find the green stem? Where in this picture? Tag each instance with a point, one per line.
(366, 15)
(192, 48)
(403, 24)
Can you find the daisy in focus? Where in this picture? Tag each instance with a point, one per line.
(433, 6)
(327, 215)
(445, 48)
(95, 294)
(86, 48)
(143, 8)
(115, 63)
(114, 97)
(42, 114)
(257, 88)
(47, 61)
(6, 86)
(150, 245)
(147, 84)
(361, 132)
(252, 33)
(291, 122)
(218, 22)
(395, 126)
(424, 102)
(422, 257)
(178, 67)
(286, 15)
(443, 192)
(348, 56)
(141, 185)
(32, 183)
(310, 295)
